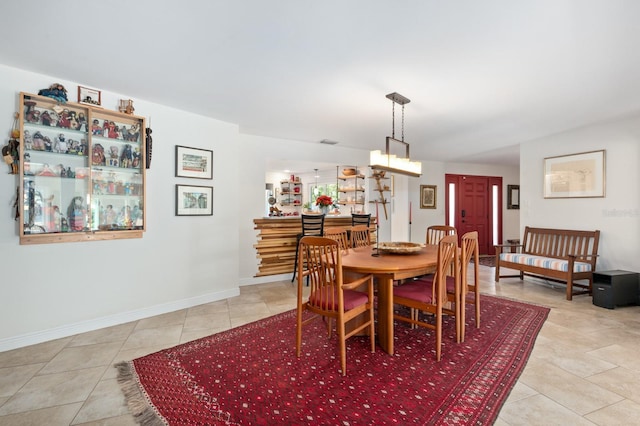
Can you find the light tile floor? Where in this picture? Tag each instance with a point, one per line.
(584, 369)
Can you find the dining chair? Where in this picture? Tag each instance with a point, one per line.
(340, 235)
(469, 243)
(420, 296)
(312, 224)
(330, 297)
(360, 219)
(436, 232)
(360, 236)
(457, 295)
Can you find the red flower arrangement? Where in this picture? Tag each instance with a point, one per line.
(324, 201)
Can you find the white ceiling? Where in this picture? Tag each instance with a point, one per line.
(482, 76)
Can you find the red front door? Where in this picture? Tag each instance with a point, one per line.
(473, 207)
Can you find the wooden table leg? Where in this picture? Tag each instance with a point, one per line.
(385, 313)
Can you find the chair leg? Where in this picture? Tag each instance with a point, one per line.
(372, 331)
(295, 266)
(438, 335)
(343, 346)
(463, 317)
(298, 332)
(477, 300)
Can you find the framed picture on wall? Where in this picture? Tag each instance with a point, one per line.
(428, 196)
(194, 162)
(89, 96)
(513, 197)
(194, 200)
(575, 176)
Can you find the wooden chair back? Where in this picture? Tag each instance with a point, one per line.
(340, 235)
(436, 232)
(360, 236)
(469, 251)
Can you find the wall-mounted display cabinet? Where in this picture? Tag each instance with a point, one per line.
(82, 173)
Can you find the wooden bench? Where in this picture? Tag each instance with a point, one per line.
(559, 255)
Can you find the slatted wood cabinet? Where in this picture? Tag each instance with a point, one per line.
(276, 246)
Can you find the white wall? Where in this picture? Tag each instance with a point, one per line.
(54, 290)
(617, 215)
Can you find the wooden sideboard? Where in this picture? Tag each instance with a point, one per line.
(276, 246)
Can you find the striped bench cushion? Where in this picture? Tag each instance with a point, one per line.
(544, 262)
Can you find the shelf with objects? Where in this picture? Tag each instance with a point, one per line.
(291, 192)
(82, 176)
(350, 188)
(382, 188)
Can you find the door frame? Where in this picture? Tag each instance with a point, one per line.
(455, 180)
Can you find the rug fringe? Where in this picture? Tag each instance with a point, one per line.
(142, 412)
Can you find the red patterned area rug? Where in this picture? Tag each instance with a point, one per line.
(250, 375)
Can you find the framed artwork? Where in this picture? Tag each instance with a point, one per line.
(194, 200)
(575, 176)
(428, 196)
(513, 197)
(194, 162)
(89, 96)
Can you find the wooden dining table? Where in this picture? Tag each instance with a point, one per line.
(387, 268)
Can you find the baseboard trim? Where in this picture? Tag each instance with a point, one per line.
(112, 320)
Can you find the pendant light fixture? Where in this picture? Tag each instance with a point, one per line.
(393, 163)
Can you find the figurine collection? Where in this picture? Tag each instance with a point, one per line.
(56, 129)
(47, 213)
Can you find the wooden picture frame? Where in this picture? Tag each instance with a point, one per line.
(575, 176)
(88, 96)
(428, 196)
(192, 200)
(513, 197)
(194, 162)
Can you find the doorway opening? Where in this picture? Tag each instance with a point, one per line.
(472, 203)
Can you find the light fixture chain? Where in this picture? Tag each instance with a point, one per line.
(402, 122)
(393, 119)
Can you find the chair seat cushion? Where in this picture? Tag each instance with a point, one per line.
(352, 298)
(416, 290)
(544, 262)
(428, 279)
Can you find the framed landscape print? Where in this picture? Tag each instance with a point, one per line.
(428, 196)
(194, 162)
(575, 176)
(194, 200)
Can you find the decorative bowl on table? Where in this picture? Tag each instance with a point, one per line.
(400, 247)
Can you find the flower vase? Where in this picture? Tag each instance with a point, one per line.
(324, 210)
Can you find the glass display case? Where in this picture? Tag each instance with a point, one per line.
(81, 170)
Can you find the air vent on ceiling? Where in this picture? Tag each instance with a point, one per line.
(328, 142)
